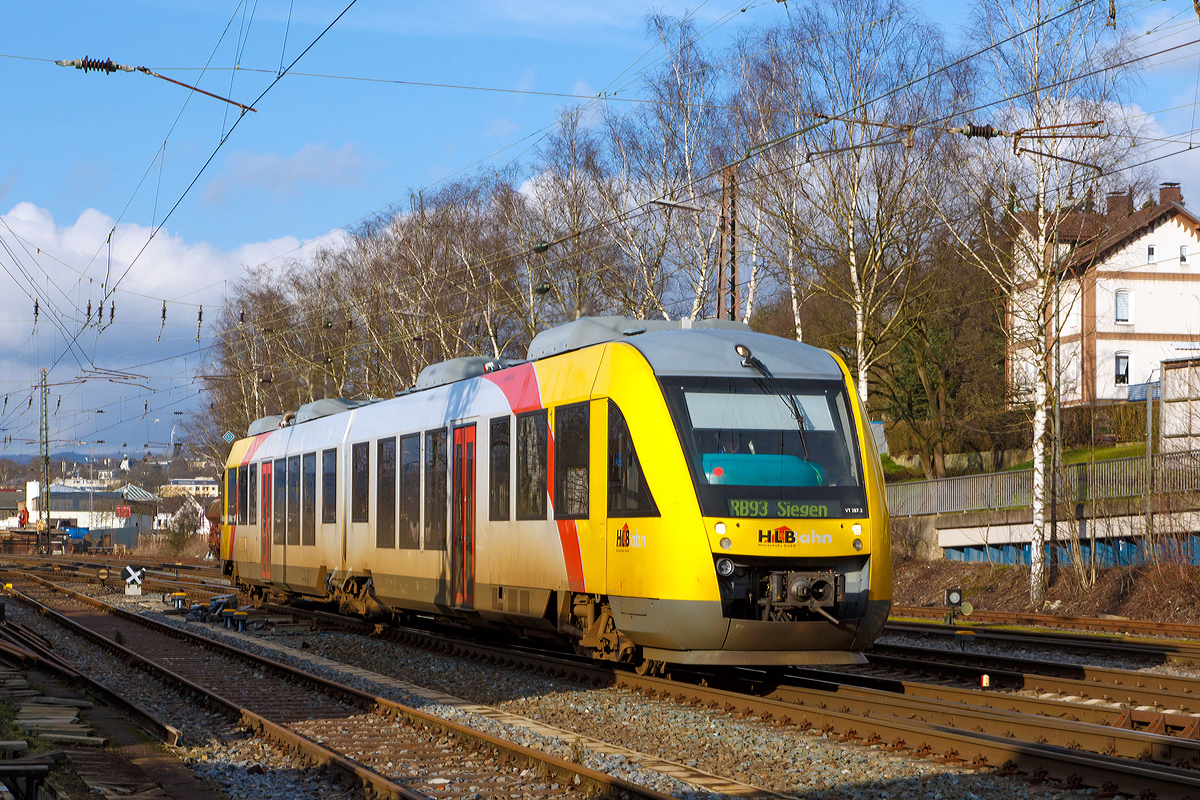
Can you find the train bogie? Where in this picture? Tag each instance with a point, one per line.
(645, 491)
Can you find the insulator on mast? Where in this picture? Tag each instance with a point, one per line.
(88, 64)
(199, 322)
(89, 313)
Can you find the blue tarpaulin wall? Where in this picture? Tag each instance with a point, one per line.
(1109, 552)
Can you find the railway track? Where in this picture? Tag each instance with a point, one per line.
(1086, 624)
(387, 748)
(1179, 651)
(1075, 743)
(1144, 745)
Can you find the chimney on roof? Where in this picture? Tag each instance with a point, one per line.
(1120, 204)
(1170, 193)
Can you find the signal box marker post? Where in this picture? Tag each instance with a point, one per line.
(133, 579)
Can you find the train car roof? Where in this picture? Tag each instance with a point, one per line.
(689, 347)
(672, 347)
(711, 352)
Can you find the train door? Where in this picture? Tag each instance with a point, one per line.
(462, 547)
(264, 522)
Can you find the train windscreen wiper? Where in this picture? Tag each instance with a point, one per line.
(776, 388)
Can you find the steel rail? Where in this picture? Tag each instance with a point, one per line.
(1089, 624)
(1176, 650)
(1037, 671)
(45, 658)
(886, 719)
(590, 781)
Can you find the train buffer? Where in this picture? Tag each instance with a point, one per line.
(235, 619)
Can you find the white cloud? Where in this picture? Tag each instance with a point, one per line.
(7, 184)
(583, 88)
(284, 177)
(64, 266)
(499, 129)
(526, 82)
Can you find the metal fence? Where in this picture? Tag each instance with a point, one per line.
(1078, 483)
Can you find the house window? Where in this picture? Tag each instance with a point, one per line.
(1150, 257)
(1122, 371)
(1183, 254)
(1124, 306)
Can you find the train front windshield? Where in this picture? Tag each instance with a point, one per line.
(759, 448)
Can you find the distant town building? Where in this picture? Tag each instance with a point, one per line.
(196, 487)
(1129, 298)
(130, 507)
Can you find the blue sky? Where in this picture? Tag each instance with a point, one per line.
(80, 153)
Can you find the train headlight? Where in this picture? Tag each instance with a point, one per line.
(857, 529)
(742, 350)
(719, 528)
(858, 544)
(726, 543)
(724, 567)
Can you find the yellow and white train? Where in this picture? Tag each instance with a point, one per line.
(653, 492)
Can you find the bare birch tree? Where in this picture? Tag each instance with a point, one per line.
(1045, 68)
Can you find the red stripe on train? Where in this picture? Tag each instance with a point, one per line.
(520, 387)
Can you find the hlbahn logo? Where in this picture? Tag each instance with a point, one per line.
(627, 538)
(785, 535)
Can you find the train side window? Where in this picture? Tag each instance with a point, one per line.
(385, 493)
(280, 512)
(628, 494)
(329, 486)
(243, 510)
(231, 496)
(293, 500)
(571, 451)
(252, 495)
(435, 490)
(360, 480)
(308, 494)
(498, 444)
(531, 465)
(410, 493)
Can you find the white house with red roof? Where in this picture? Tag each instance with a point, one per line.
(1129, 298)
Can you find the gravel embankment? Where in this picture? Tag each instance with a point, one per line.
(802, 765)
(245, 767)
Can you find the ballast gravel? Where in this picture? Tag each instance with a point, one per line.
(805, 765)
(244, 767)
